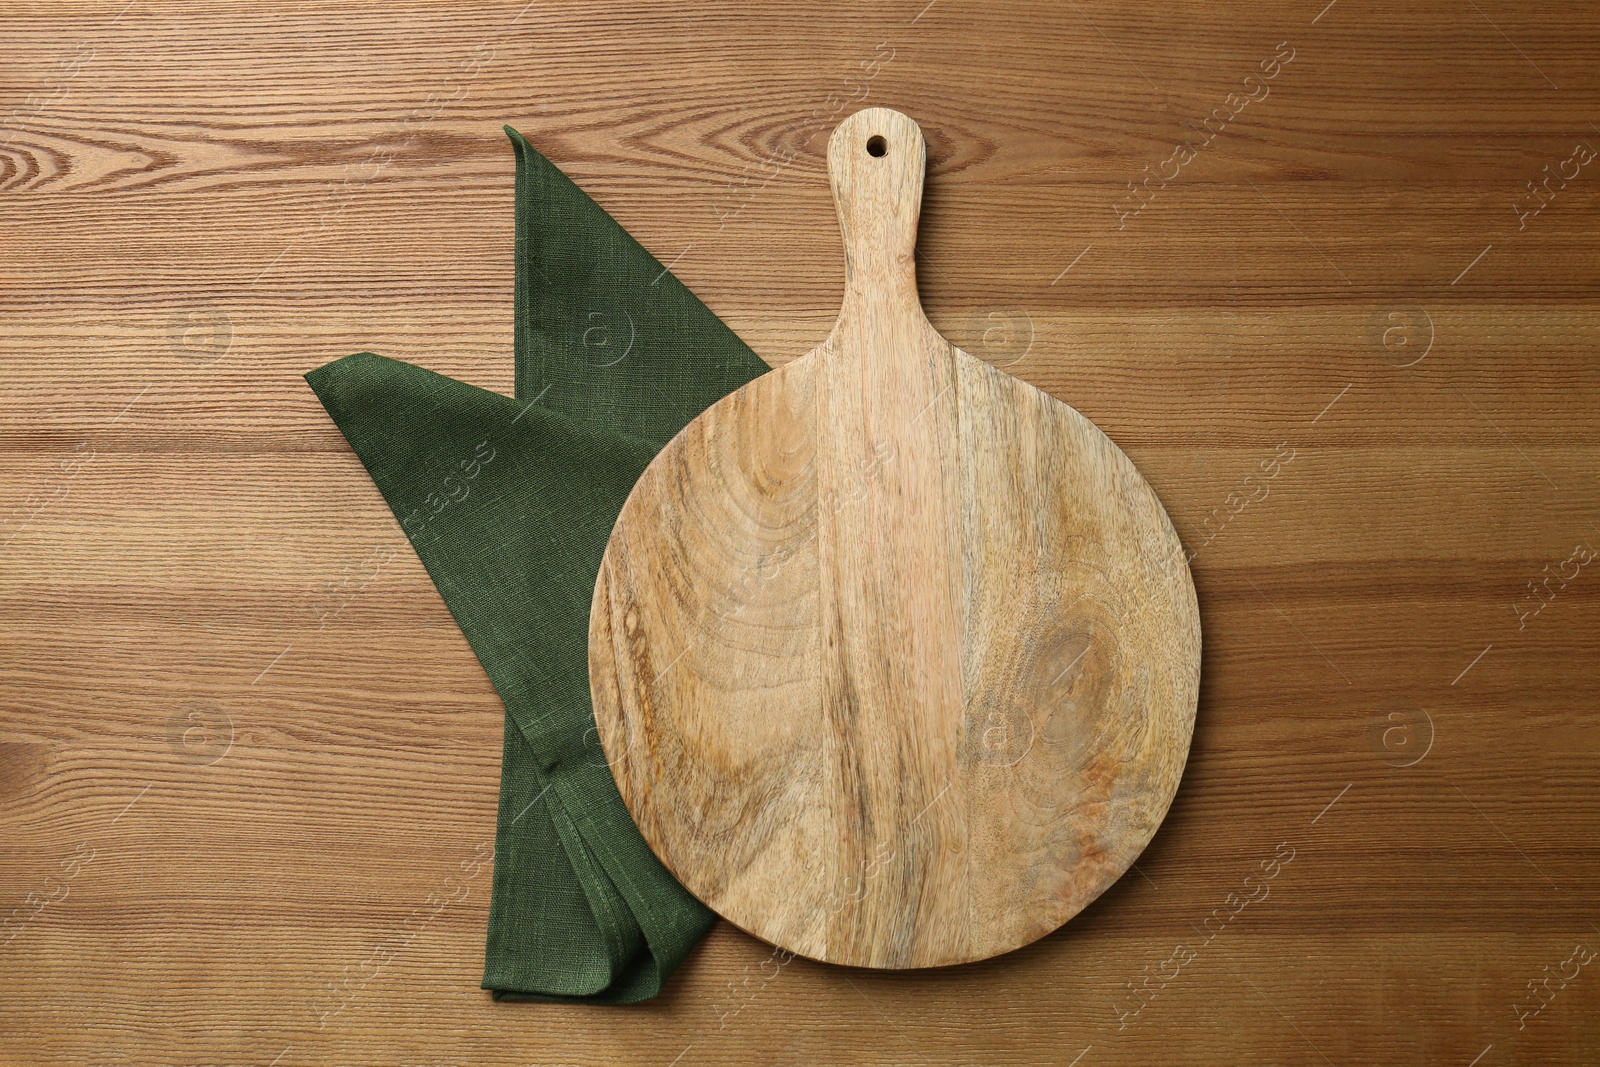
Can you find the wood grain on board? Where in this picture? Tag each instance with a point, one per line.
(894, 656)
(242, 744)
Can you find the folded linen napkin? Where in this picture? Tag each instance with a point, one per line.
(508, 503)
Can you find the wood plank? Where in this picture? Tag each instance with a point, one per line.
(199, 203)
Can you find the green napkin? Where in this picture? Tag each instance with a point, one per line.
(508, 503)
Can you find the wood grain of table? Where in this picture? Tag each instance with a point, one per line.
(243, 745)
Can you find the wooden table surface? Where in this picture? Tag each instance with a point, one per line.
(1351, 250)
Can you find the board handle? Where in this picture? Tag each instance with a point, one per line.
(876, 160)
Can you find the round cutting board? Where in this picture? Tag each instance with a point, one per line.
(894, 656)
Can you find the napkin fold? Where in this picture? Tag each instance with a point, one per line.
(508, 503)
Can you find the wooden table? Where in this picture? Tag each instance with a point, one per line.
(242, 744)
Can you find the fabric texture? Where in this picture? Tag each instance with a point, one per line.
(508, 503)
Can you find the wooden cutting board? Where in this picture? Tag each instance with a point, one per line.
(894, 656)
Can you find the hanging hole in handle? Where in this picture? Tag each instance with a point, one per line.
(876, 145)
